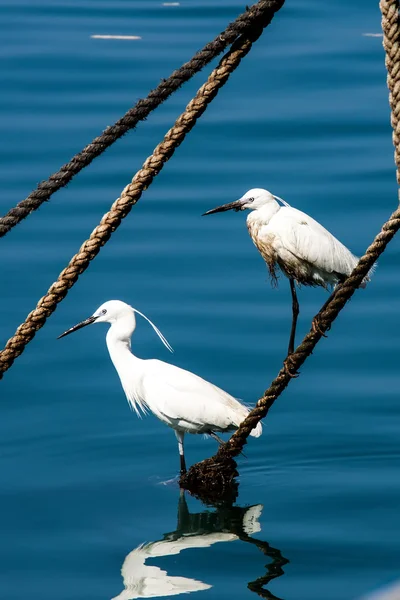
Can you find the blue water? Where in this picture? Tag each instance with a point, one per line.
(306, 115)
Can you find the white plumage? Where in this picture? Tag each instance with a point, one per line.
(300, 246)
(185, 402)
(304, 250)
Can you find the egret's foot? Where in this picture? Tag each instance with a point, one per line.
(316, 327)
(288, 367)
(216, 437)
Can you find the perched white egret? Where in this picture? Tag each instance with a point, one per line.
(291, 240)
(182, 400)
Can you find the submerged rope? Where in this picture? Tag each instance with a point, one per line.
(262, 12)
(130, 195)
(214, 475)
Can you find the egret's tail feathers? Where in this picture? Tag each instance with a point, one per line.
(367, 279)
(343, 276)
(257, 431)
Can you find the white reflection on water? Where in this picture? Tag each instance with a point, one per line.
(198, 530)
(390, 592)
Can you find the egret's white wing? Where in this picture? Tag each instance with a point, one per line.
(175, 394)
(293, 231)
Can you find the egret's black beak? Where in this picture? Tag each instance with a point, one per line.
(78, 326)
(237, 205)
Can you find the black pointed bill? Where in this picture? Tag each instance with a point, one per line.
(78, 326)
(237, 205)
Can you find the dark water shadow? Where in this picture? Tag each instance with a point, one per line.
(197, 530)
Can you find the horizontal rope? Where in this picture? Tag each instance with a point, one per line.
(213, 476)
(260, 12)
(130, 195)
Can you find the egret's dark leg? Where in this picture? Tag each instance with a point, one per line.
(216, 437)
(183, 464)
(295, 312)
(179, 437)
(219, 440)
(315, 322)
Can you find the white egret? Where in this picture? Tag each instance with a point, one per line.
(179, 398)
(293, 241)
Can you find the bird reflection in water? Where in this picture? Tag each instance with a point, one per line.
(197, 530)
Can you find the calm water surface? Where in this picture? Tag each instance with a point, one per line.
(306, 116)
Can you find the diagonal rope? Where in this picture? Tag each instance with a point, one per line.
(391, 44)
(130, 195)
(263, 11)
(214, 475)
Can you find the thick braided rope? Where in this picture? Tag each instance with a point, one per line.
(218, 470)
(130, 195)
(391, 43)
(259, 13)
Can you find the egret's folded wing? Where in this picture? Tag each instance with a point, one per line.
(180, 394)
(291, 230)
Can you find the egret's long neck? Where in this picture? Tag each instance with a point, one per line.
(119, 345)
(263, 214)
(129, 367)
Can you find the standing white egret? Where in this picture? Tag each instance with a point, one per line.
(182, 400)
(291, 240)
